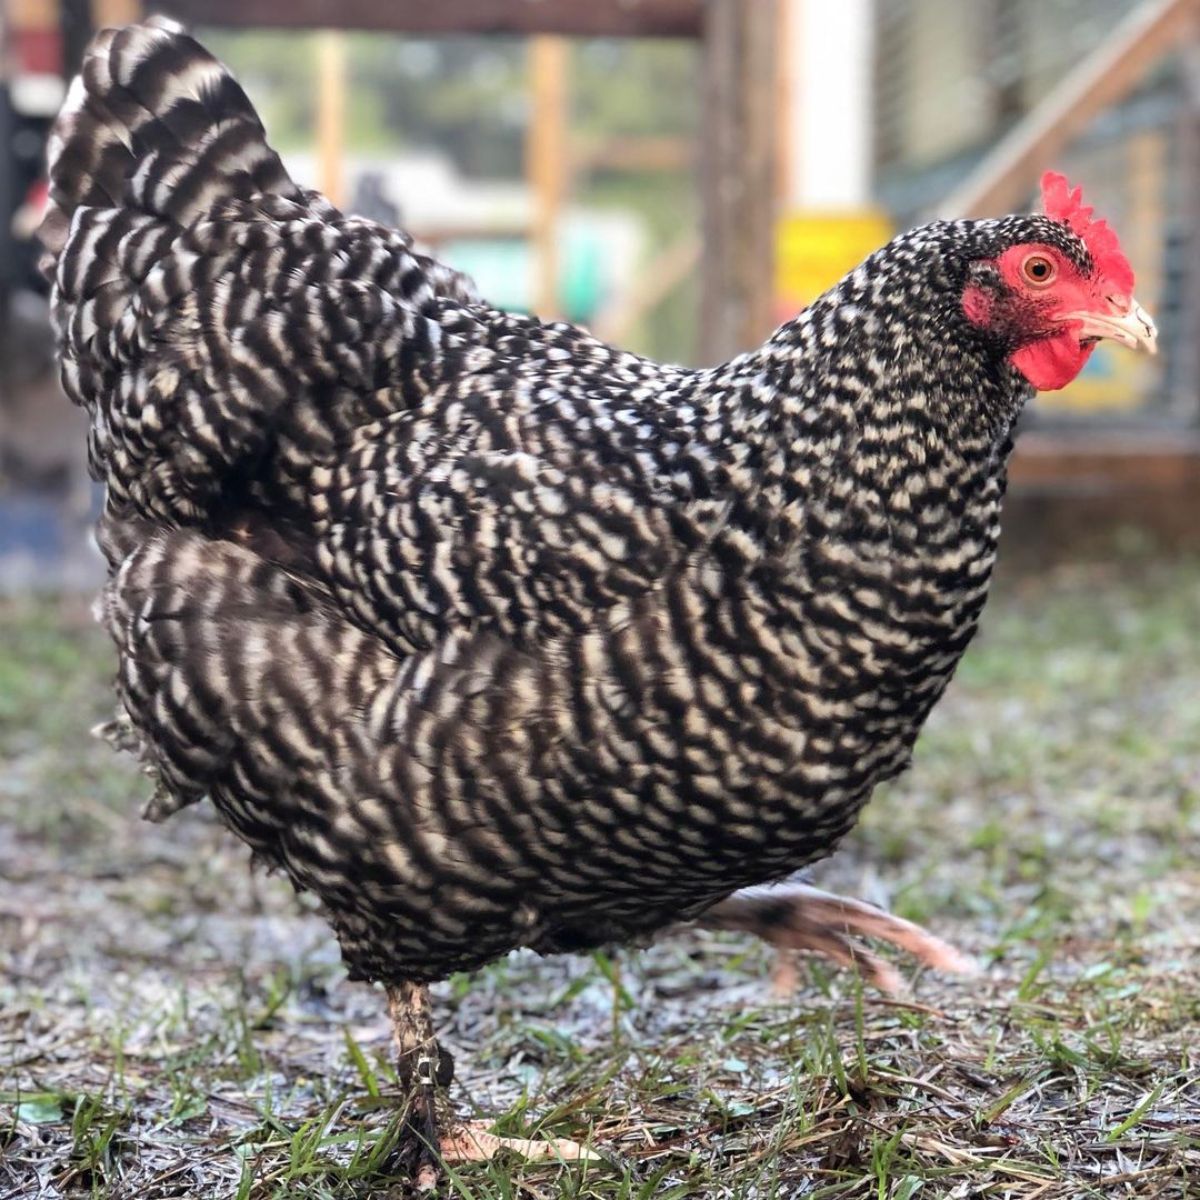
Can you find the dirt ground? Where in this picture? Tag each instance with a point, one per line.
(172, 1025)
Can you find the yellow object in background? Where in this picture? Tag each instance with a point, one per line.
(815, 249)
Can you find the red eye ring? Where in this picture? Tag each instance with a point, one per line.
(1038, 270)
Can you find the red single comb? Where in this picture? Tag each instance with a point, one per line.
(1067, 206)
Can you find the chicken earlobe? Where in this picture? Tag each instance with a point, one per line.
(796, 916)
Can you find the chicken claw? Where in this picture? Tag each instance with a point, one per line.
(471, 1142)
(796, 916)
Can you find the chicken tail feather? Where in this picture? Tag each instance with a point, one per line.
(154, 123)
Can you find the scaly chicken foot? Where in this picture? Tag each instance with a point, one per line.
(796, 916)
(425, 1069)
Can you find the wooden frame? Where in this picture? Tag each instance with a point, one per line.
(580, 18)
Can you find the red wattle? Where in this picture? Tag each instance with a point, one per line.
(1052, 363)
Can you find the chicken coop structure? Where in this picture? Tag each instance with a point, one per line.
(1127, 441)
(738, 151)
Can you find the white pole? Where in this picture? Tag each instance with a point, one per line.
(829, 122)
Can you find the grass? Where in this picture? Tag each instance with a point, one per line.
(171, 1025)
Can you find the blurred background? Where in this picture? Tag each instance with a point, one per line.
(680, 175)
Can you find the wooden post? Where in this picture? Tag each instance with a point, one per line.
(738, 175)
(546, 152)
(1185, 400)
(576, 18)
(331, 114)
(787, 65)
(115, 12)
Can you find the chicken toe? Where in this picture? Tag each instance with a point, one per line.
(472, 1142)
(797, 916)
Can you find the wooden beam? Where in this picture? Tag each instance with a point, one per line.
(787, 94)
(115, 12)
(331, 114)
(1090, 461)
(635, 152)
(546, 165)
(1072, 495)
(580, 18)
(738, 155)
(1186, 349)
(1004, 178)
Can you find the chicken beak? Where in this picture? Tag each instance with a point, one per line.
(1134, 328)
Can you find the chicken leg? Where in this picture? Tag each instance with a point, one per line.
(796, 916)
(790, 917)
(426, 1070)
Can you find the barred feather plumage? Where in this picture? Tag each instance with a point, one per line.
(487, 633)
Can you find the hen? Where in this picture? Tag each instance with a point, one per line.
(485, 632)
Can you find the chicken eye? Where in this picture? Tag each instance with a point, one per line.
(1038, 270)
